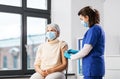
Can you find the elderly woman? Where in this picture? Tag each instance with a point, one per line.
(50, 61)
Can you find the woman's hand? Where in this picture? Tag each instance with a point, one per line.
(49, 71)
(44, 73)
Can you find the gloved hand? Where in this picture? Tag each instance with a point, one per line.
(72, 51)
(67, 55)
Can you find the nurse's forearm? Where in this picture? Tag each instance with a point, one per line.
(85, 51)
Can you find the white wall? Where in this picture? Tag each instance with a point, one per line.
(112, 67)
(112, 27)
(61, 14)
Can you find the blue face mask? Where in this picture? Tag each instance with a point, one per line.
(85, 24)
(50, 35)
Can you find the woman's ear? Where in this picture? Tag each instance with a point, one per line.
(58, 34)
(87, 18)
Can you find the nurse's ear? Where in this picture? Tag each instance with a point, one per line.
(86, 18)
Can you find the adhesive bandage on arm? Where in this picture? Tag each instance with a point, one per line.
(84, 51)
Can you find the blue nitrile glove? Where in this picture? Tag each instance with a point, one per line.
(72, 51)
(67, 55)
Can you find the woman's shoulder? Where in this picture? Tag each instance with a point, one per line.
(63, 44)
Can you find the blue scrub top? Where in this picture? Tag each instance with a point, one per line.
(93, 63)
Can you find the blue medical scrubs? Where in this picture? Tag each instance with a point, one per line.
(93, 64)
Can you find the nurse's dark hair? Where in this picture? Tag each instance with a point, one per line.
(93, 14)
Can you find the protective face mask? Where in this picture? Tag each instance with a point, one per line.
(85, 24)
(51, 35)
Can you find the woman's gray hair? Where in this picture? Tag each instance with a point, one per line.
(55, 26)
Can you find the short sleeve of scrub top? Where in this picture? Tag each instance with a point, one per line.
(92, 35)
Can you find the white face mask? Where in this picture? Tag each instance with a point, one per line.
(51, 35)
(85, 24)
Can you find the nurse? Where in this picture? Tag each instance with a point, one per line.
(93, 45)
